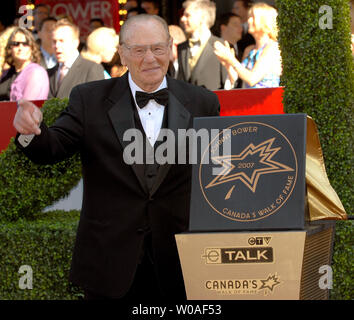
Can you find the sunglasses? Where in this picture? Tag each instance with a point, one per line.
(17, 43)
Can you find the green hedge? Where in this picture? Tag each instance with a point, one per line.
(43, 241)
(27, 188)
(46, 246)
(318, 78)
(343, 262)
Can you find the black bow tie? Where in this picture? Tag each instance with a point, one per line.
(142, 98)
(193, 42)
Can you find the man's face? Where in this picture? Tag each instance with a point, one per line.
(65, 43)
(232, 32)
(148, 70)
(149, 7)
(45, 34)
(240, 10)
(191, 20)
(130, 4)
(40, 14)
(95, 25)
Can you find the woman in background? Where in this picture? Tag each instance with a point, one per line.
(25, 79)
(4, 38)
(261, 64)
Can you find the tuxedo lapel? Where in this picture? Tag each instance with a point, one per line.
(121, 114)
(204, 58)
(122, 118)
(73, 72)
(178, 118)
(184, 61)
(52, 74)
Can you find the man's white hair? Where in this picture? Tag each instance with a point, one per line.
(140, 18)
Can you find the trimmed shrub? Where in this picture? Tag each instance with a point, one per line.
(46, 246)
(43, 241)
(27, 188)
(318, 77)
(319, 80)
(343, 261)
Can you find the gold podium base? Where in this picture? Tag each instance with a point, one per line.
(274, 265)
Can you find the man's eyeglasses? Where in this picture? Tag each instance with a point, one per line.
(18, 43)
(139, 51)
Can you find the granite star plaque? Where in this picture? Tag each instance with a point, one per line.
(251, 175)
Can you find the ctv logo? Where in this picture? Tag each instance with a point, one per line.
(259, 241)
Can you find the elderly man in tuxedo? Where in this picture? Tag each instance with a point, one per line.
(125, 245)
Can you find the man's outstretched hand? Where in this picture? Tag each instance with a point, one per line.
(28, 118)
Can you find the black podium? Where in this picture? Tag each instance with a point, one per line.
(250, 234)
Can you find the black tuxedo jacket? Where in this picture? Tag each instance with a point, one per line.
(81, 71)
(208, 72)
(246, 40)
(117, 205)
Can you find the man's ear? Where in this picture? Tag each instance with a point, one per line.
(173, 50)
(171, 43)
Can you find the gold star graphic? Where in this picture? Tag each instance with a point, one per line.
(265, 165)
(270, 282)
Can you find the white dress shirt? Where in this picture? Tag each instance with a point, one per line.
(203, 38)
(151, 116)
(50, 59)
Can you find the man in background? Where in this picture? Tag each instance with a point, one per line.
(151, 6)
(197, 63)
(71, 69)
(41, 12)
(96, 23)
(178, 37)
(230, 28)
(241, 8)
(49, 59)
(101, 46)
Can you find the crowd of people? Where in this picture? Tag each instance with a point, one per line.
(238, 50)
